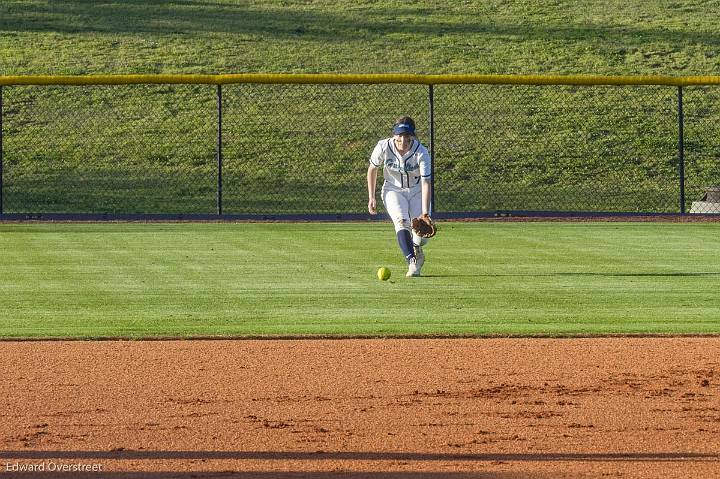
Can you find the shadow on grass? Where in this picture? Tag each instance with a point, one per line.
(540, 275)
(175, 17)
(123, 190)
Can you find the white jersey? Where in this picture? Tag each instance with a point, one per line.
(402, 171)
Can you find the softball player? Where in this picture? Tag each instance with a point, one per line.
(406, 189)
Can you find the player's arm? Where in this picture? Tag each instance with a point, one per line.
(375, 162)
(371, 182)
(426, 185)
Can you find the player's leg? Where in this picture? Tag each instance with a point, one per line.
(397, 206)
(415, 210)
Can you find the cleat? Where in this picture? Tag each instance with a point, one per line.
(419, 256)
(413, 269)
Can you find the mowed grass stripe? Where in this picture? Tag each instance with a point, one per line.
(139, 280)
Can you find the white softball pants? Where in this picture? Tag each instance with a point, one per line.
(402, 205)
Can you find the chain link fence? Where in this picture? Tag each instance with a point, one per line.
(701, 148)
(273, 150)
(557, 148)
(304, 149)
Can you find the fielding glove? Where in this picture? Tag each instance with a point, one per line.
(424, 226)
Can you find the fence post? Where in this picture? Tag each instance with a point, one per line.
(432, 148)
(681, 150)
(219, 151)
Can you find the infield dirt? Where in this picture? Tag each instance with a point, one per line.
(398, 408)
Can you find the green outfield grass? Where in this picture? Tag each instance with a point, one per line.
(138, 280)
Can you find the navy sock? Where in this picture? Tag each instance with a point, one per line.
(406, 244)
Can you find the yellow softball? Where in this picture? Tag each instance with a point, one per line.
(383, 274)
